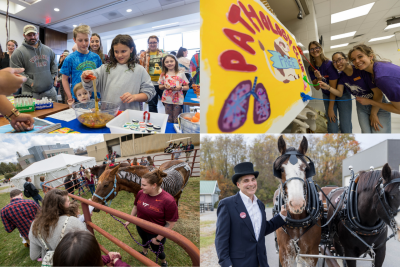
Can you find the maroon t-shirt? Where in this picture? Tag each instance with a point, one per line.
(91, 181)
(158, 209)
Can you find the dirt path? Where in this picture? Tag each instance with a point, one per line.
(208, 255)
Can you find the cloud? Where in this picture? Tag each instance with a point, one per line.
(10, 144)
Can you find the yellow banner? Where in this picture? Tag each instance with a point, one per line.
(251, 69)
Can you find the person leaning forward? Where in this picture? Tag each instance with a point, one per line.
(242, 224)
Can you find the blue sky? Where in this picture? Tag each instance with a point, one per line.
(11, 143)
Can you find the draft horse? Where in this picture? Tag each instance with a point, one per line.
(372, 201)
(129, 179)
(300, 234)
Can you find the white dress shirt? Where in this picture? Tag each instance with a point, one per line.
(254, 212)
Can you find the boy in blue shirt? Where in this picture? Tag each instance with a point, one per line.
(79, 61)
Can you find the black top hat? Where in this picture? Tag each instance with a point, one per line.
(242, 169)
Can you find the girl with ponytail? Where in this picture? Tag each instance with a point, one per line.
(382, 75)
(371, 118)
(155, 205)
(122, 80)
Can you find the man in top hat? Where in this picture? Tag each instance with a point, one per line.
(242, 224)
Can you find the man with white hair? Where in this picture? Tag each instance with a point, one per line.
(38, 60)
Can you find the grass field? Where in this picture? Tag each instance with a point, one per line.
(14, 253)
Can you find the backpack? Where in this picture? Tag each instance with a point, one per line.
(48, 258)
(26, 191)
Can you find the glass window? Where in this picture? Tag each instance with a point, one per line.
(191, 52)
(123, 138)
(49, 155)
(141, 44)
(129, 137)
(191, 40)
(52, 154)
(172, 42)
(27, 161)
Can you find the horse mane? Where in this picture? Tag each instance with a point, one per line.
(138, 167)
(281, 159)
(368, 180)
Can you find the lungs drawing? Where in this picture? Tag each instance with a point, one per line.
(234, 112)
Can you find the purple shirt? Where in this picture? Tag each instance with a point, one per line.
(357, 84)
(327, 71)
(387, 79)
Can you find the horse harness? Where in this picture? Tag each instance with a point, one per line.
(314, 205)
(133, 177)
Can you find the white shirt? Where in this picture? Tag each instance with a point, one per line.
(254, 212)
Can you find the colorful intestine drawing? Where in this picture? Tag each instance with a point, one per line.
(234, 112)
(283, 65)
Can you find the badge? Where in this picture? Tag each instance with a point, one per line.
(358, 78)
(242, 215)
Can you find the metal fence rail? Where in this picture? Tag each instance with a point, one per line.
(194, 159)
(186, 244)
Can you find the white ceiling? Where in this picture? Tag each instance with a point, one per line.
(371, 25)
(91, 12)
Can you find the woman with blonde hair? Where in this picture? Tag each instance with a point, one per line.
(325, 71)
(381, 74)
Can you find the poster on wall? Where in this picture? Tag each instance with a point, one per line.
(252, 71)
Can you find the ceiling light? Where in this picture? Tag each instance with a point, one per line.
(306, 51)
(351, 13)
(166, 25)
(381, 38)
(392, 26)
(56, 9)
(344, 35)
(341, 45)
(74, 26)
(129, 10)
(300, 44)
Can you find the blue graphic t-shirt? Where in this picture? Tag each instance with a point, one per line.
(76, 63)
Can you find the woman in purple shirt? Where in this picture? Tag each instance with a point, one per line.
(384, 75)
(371, 119)
(325, 71)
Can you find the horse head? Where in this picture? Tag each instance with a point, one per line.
(390, 197)
(291, 167)
(107, 187)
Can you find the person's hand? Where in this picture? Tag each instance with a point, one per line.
(331, 115)
(324, 85)
(318, 75)
(70, 102)
(128, 98)
(11, 80)
(114, 255)
(126, 224)
(178, 88)
(363, 101)
(85, 74)
(375, 122)
(167, 86)
(154, 241)
(55, 83)
(283, 210)
(24, 122)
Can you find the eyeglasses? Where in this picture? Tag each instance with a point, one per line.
(338, 61)
(153, 43)
(315, 49)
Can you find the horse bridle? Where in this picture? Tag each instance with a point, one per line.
(382, 199)
(113, 190)
(293, 160)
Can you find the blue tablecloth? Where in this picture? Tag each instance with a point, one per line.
(189, 95)
(79, 127)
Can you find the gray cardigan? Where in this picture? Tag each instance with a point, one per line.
(119, 81)
(37, 249)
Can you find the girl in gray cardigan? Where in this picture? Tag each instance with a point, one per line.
(122, 81)
(49, 223)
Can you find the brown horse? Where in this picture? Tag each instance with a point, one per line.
(293, 167)
(129, 179)
(98, 170)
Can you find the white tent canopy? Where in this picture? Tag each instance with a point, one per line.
(52, 168)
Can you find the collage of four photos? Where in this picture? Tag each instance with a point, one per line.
(292, 159)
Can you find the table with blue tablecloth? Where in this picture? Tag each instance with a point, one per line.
(187, 102)
(79, 127)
